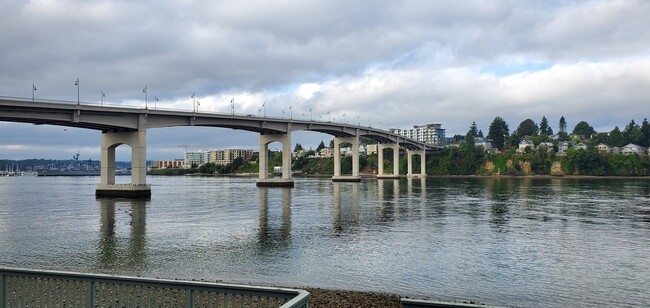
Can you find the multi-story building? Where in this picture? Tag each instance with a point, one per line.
(432, 134)
(163, 164)
(224, 157)
(196, 158)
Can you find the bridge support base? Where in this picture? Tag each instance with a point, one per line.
(416, 176)
(389, 176)
(348, 178)
(124, 191)
(275, 183)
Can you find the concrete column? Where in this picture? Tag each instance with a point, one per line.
(410, 154)
(138, 188)
(264, 181)
(380, 149)
(354, 141)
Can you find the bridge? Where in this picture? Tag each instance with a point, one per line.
(129, 125)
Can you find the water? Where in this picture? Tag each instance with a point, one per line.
(516, 242)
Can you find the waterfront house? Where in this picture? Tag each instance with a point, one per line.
(483, 142)
(523, 144)
(545, 145)
(562, 146)
(632, 149)
(604, 148)
(581, 146)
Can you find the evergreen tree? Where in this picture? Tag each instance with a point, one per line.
(480, 133)
(297, 148)
(499, 133)
(632, 133)
(544, 128)
(320, 146)
(645, 130)
(562, 125)
(473, 130)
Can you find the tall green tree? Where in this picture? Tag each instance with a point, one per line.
(645, 130)
(562, 125)
(615, 138)
(544, 128)
(499, 133)
(473, 130)
(583, 129)
(632, 133)
(320, 146)
(298, 147)
(527, 127)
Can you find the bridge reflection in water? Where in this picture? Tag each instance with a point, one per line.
(113, 251)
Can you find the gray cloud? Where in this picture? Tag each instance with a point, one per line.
(395, 62)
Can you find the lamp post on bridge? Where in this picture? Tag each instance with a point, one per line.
(264, 106)
(101, 98)
(76, 83)
(33, 90)
(232, 106)
(155, 101)
(311, 115)
(291, 112)
(145, 97)
(193, 103)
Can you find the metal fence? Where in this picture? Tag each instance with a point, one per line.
(36, 288)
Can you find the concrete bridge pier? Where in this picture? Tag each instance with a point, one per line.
(264, 180)
(354, 141)
(380, 161)
(423, 164)
(138, 187)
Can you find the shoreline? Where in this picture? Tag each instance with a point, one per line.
(441, 176)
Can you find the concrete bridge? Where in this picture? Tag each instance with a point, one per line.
(128, 125)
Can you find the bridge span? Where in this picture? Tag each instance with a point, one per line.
(128, 125)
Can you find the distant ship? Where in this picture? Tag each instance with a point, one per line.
(76, 169)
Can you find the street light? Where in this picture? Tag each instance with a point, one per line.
(33, 90)
(264, 105)
(193, 103)
(155, 101)
(101, 98)
(76, 83)
(145, 96)
(232, 105)
(329, 117)
(291, 112)
(197, 106)
(311, 115)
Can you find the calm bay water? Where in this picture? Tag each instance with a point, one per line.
(516, 242)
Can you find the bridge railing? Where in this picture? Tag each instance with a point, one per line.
(36, 288)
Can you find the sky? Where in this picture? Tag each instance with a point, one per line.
(381, 63)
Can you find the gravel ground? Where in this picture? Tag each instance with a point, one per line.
(344, 299)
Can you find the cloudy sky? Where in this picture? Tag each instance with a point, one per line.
(389, 63)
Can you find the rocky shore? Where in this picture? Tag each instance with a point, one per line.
(351, 299)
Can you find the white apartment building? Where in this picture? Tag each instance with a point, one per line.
(196, 158)
(432, 134)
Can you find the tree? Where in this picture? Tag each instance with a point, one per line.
(480, 133)
(473, 130)
(527, 127)
(544, 128)
(562, 125)
(498, 132)
(645, 130)
(320, 146)
(583, 129)
(632, 133)
(298, 147)
(615, 138)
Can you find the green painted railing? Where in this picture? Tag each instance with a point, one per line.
(36, 288)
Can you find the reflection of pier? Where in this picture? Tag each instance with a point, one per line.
(348, 216)
(135, 253)
(268, 233)
(388, 198)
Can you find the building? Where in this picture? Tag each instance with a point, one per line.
(226, 156)
(326, 152)
(164, 164)
(632, 149)
(604, 148)
(432, 134)
(523, 144)
(196, 158)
